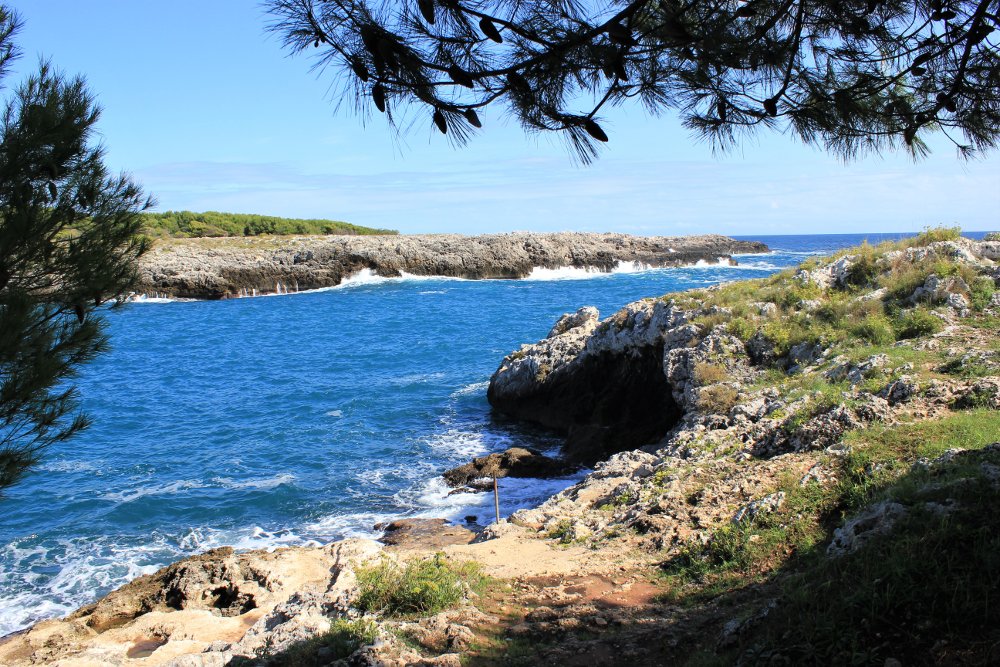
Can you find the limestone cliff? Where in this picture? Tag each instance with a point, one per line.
(228, 267)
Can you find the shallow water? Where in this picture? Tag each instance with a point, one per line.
(282, 420)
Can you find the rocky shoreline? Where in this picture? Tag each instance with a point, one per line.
(219, 268)
(817, 460)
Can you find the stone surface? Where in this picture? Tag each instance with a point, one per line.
(229, 267)
(513, 462)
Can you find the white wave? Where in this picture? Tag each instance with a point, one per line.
(340, 526)
(540, 273)
(254, 538)
(474, 388)
(415, 378)
(266, 483)
(703, 263)
(154, 490)
(52, 582)
(436, 499)
(68, 466)
(461, 443)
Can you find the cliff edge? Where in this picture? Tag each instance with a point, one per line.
(220, 268)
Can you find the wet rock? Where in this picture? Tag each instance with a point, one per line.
(513, 462)
(429, 534)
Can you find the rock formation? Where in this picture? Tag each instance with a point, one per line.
(228, 267)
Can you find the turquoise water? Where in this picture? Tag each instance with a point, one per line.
(288, 419)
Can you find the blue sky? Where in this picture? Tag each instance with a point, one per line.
(205, 109)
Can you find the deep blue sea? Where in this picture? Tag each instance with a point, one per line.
(282, 420)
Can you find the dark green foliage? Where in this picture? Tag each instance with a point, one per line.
(855, 78)
(68, 243)
(981, 291)
(917, 322)
(212, 223)
(420, 586)
(875, 330)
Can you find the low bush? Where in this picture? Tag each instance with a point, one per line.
(933, 235)
(875, 330)
(981, 291)
(709, 373)
(917, 322)
(718, 399)
(424, 586)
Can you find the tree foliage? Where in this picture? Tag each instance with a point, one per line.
(852, 76)
(181, 224)
(68, 244)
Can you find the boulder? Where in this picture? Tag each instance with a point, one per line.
(514, 462)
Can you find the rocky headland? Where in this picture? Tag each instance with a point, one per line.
(218, 268)
(803, 469)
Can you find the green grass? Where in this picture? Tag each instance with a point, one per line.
(424, 586)
(916, 323)
(878, 466)
(931, 584)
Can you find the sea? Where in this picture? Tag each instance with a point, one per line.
(298, 419)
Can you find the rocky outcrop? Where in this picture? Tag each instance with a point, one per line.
(205, 610)
(513, 462)
(658, 366)
(228, 267)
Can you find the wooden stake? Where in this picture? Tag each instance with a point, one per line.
(496, 498)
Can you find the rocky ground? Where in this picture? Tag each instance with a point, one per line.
(813, 479)
(216, 268)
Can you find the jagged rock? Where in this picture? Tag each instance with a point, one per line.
(874, 521)
(899, 390)
(856, 373)
(221, 268)
(983, 393)
(829, 275)
(514, 462)
(587, 317)
(766, 505)
(424, 533)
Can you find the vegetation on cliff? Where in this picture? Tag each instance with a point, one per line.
(185, 224)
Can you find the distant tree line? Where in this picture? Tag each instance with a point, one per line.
(183, 224)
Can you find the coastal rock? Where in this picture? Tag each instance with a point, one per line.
(513, 462)
(230, 267)
(587, 317)
(225, 603)
(424, 533)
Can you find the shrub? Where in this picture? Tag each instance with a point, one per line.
(421, 586)
(917, 322)
(708, 373)
(934, 234)
(992, 236)
(742, 328)
(981, 290)
(718, 399)
(864, 270)
(876, 330)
